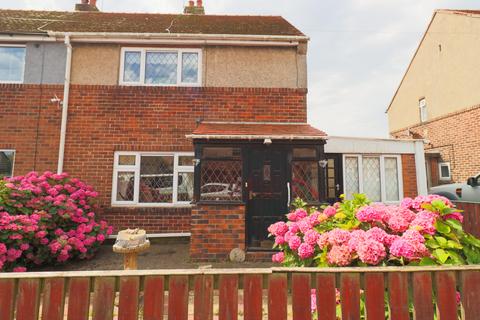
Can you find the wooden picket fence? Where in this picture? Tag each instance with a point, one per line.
(275, 294)
(471, 213)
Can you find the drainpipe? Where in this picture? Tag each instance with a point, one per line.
(66, 93)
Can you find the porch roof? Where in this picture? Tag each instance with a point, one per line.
(256, 130)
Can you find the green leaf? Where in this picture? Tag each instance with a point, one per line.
(456, 258)
(442, 227)
(468, 238)
(427, 261)
(441, 241)
(454, 224)
(454, 245)
(472, 254)
(441, 255)
(432, 243)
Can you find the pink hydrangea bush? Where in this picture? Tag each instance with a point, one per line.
(47, 219)
(426, 230)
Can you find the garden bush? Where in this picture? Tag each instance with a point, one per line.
(47, 219)
(426, 230)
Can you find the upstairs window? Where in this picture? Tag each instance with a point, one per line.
(7, 158)
(422, 104)
(161, 67)
(12, 64)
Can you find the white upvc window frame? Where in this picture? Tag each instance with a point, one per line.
(24, 61)
(444, 164)
(382, 174)
(135, 169)
(422, 106)
(14, 157)
(143, 52)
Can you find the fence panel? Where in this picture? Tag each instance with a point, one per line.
(471, 215)
(206, 294)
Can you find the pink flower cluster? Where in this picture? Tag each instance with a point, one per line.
(47, 219)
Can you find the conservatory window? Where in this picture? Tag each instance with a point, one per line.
(379, 177)
(7, 158)
(160, 67)
(152, 179)
(305, 174)
(12, 64)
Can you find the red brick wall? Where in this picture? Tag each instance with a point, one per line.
(105, 119)
(216, 230)
(457, 137)
(409, 174)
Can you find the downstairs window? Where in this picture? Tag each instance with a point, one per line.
(379, 177)
(152, 179)
(7, 158)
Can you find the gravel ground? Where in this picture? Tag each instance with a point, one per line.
(162, 254)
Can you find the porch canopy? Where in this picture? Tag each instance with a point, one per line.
(258, 130)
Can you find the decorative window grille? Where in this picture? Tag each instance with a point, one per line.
(161, 67)
(152, 179)
(305, 174)
(221, 175)
(379, 177)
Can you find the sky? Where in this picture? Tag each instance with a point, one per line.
(358, 52)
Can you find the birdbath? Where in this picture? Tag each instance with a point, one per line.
(130, 243)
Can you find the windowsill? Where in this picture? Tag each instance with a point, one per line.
(182, 85)
(11, 82)
(220, 203)
(154, 205)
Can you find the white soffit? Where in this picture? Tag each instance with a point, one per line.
(347, 145)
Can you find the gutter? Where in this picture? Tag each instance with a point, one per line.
(66, 93)
(181, 38)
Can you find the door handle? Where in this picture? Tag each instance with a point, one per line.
(288, 195)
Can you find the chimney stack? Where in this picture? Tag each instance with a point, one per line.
(86, 5)
(194, 9)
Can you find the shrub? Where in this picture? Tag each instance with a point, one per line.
(47, 219)
(426, 230)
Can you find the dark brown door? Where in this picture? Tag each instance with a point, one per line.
(266, 192)
(334, 177)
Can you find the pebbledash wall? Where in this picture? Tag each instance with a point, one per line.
(455, 138)
(105, 119)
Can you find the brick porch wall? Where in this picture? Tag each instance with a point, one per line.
(456, 136)
(105, 119)
(216, 230)
(409, 175)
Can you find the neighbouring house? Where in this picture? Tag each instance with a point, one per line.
(186, 124)
(438, 99)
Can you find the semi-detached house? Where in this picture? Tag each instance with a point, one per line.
(186, 124)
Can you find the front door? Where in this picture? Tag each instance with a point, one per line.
(267, 193)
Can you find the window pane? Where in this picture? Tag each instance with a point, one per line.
(131, 72)
(391, 179)
(161, 68)
(305, 180)
(124, 160)
(190, 67)
(351, 177)
(371, 178)
(12, 61)
(300, 153)
(125, 186)
(185, 161)
(6, 163)
(156, 179)
(185, 186)
(445, 171)
(221, 180)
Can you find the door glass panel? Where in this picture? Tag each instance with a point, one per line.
(351, 177)
(267, 177)
(305, 180)
(391, 179)
(371, 178)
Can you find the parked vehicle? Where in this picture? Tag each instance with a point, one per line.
(468, 192)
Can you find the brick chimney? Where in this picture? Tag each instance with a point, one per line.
(86, 5)
(193, 8)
